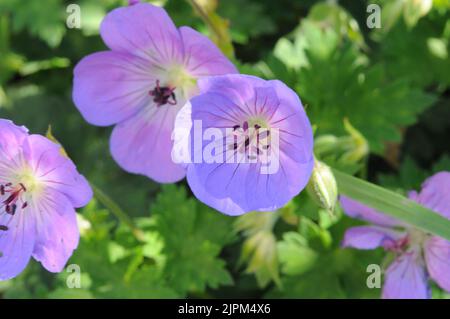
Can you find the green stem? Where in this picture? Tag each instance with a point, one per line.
(115, 209)
(205, 18)
(216, 25)
(392, 204)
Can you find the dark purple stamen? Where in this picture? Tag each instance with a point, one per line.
(259, 136)
(3, 228)
(10, 202)
(163, 95)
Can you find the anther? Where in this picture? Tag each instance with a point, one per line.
(163, 95)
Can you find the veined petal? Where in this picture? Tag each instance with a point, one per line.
(11, 139)
(435, 193)
(238, 88)
(202, 57)
(55, 170)
(289, 117)
(225, 205)
(370, 237)
(143, 144)
(57, 235)
(406, 278)
(143, 30)
(437, 256)
(16, 243)
(286, 179)
(109, 87)
(357, 210)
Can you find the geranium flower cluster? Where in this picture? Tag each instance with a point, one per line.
(154, 69)
(180, 109)
(150, 72)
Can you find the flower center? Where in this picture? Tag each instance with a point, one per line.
(178, 78)
(414, 238)
(13, 199)
(417, 237)
(251, 138)
(163, 95)
(14, 194)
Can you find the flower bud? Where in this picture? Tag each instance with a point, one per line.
(325, 144)
(359, 148)
(322, 186)
(259, 250)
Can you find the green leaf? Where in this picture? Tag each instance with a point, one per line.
(335, 81)
(193, 236)
(294, 254)
(420, 54)
(44, 19)
(256, 22)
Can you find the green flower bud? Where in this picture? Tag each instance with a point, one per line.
(322, 186)
(325, 144)
(359, 148)
(259, 250)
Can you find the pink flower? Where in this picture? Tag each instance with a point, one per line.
(418, 255)
(39, 188)
(149, 73)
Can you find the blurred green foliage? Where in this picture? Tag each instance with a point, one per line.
(390, 86)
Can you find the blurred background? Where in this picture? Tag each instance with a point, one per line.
(375, 84)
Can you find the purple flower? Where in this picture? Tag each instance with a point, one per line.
(419, 255)
(250, 144)
(39, 188)
(140, 85)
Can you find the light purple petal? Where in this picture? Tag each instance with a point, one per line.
(225, 205)
(58, 234)
(370, 237)
(437, 256)
(289, 117)
(357, 210)
(109, 87)
(202, 57)
(143, 30)
(245, 188)
(143, 144)
(238, 88)
(56, 170)
(406, 278)
(11, 139)
(435, 193)
(16, 243)
(276, 190)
